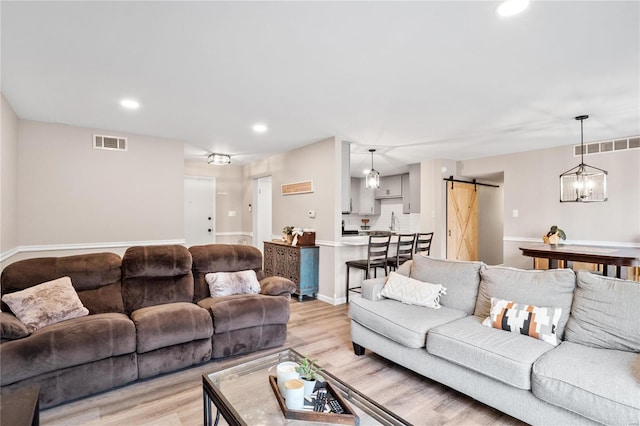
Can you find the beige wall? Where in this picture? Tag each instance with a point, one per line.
(229, 196)
(531, 186)
(71, 193)
(319, 162)
(9, 179)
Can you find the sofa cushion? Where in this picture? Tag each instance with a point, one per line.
(595, 383)
(605, 313)
(246, 310)
(404, 324)
(460, 278)
(528, 320)
(412, 292)
(95, 276)
(170, 324)
(45, 304)
(154, 275)
(552, 288)
(277, 286)
(507, 357)
(228, 283)
(67, 344)
(11, 327)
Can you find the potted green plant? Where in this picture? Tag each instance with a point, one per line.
(554, 235)
(309, 374)
(287, 233)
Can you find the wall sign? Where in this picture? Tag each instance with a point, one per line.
(296, 188)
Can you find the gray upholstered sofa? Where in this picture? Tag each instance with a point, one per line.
(147, 316)
(592, 376)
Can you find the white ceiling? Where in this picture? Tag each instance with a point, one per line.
(416, 80)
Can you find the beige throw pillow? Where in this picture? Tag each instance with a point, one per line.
(228, 283)
(45, 304)
(412, 292)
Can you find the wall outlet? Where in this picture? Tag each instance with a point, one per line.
(311, 214)
(516, 213)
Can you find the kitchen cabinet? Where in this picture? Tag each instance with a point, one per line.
(406, 194)
(369, 205)
(390, 187)
(299, 264)
(355, 195)
(414, 188)
(346, 177)
(411, 190)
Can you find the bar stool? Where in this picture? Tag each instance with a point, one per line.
(423, 242)
(406, 243)
(377, 251)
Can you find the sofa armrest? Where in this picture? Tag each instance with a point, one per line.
(277, 286)
(12, 328)
(371, 288)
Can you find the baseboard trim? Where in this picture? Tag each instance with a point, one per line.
(575, 242)
(85, 246)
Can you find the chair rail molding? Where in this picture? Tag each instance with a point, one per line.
(575, 242)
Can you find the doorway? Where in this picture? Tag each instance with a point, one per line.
(262, 207)
(199, 209)
(462, 221)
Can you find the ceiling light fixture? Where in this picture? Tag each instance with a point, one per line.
(219, 159)
(372, 180)
(512, 7)
(259, 128)
(129, 104)
(583, 183)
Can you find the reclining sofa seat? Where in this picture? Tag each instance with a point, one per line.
(172, 331)
(63, 358)
(242, 323)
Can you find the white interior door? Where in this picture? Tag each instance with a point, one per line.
(199, 209)
(262, 212)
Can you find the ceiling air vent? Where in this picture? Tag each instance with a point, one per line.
(112, 143)
(608, 146)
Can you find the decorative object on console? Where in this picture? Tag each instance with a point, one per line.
(287, 234)
(554, 236)
(45, 304)
(372, 178)
(219, 159)
(583, 183)
(228, 283)
(532, 321)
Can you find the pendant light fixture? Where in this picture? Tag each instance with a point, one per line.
(372, 180)
(583, 183)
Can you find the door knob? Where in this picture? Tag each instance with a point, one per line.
(209, 218)
(209, 229)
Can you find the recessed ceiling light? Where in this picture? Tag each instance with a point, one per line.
(512, 7)
(259, 128)
(130, 104)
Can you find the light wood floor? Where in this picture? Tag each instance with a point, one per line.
(316, 329)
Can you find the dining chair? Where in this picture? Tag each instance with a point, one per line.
(377, 251)
(423, 242)
(404, 252)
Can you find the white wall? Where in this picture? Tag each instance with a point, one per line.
(9, 179)
(531, 186)
(490, 224)
(72, 194)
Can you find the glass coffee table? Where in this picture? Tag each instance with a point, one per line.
(242, 395)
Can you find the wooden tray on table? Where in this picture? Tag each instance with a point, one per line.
(349, 417)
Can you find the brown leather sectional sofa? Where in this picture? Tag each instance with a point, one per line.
(150, 312)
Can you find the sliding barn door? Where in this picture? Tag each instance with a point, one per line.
(462, 221)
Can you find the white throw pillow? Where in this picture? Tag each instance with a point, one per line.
(45, 304)
(413, 292)
(228, 283)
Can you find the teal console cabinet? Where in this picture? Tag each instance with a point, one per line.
(299, 264)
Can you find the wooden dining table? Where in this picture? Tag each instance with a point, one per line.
(606, 256)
